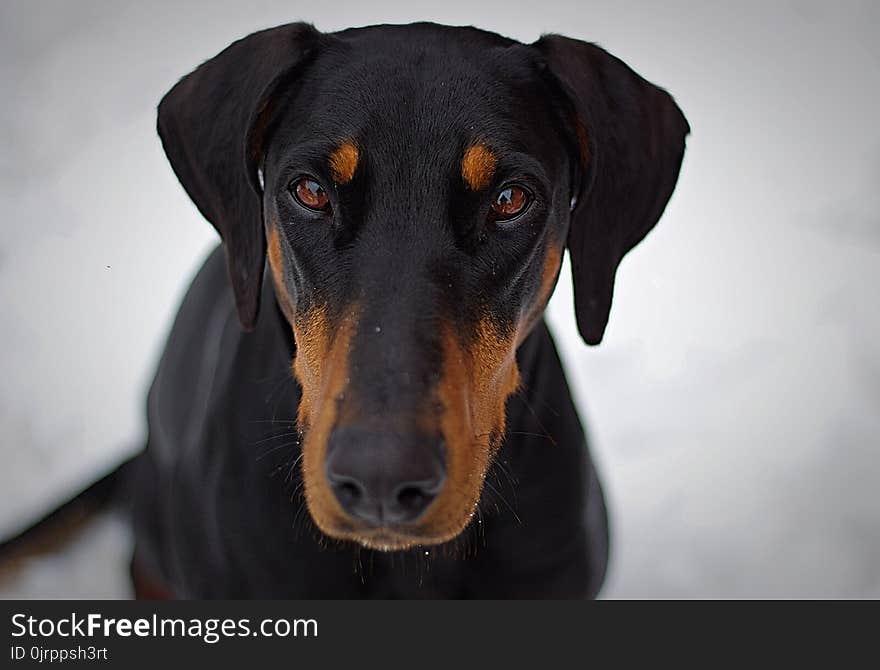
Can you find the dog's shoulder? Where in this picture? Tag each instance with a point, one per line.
(210, 364)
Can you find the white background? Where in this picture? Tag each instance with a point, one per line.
(734, 403)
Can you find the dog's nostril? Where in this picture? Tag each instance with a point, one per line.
(347, 491)
(412, 498)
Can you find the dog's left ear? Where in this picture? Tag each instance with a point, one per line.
(212, 125)
(630, 138)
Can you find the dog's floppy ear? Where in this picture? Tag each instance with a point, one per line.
(211, 125)
(630, 136)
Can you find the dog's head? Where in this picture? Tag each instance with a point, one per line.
(413, 188)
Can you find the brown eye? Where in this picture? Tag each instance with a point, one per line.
(310, 194)
(510, 201)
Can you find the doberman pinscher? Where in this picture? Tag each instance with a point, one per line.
(382, 412)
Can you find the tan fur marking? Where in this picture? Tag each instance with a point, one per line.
(475, 385)
(321, 367)
(344, 162)
(276, 265)
(549, 275)
(314, 337)
(478, 166)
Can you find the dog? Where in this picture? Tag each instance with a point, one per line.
(359, 397)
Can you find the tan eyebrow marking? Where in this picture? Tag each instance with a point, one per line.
(344, 162)
(478, 166)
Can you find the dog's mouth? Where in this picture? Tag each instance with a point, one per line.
(390, 537)
(385, 540)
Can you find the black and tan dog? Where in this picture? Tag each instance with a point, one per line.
(392, 420)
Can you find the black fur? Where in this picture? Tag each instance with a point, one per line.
(219, 504)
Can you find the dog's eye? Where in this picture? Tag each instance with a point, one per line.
(310, 194)
(510, 202)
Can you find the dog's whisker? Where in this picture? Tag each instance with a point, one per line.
(297, 491)
(504, 500)
(285, 378)
(531, 409)
(272, 437)
(524, 388)
(274, 449)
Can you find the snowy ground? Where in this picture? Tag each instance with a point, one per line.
(734, 403)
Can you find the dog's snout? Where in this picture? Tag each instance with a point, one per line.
(384, 478)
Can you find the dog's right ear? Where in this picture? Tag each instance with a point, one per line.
(212, 125)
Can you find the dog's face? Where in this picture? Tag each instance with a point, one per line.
(415, 208)
(413, 188)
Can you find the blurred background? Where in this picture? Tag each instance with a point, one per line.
(734, 405)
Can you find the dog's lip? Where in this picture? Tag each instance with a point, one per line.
(384, 536)
(383, 530)
(387, 536)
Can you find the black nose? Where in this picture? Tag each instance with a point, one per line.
(383, 477)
